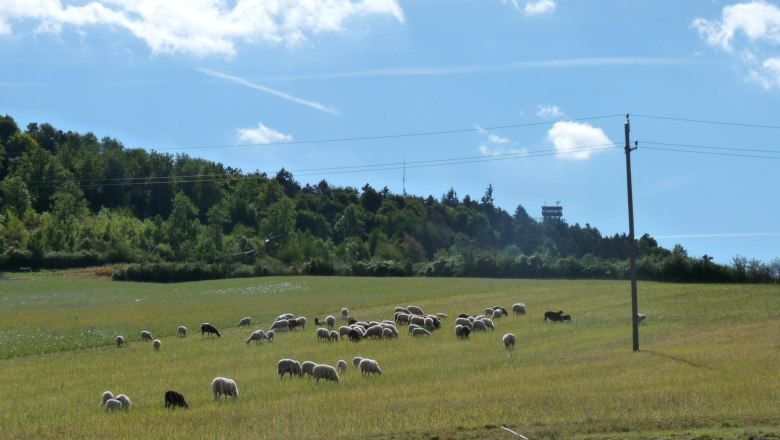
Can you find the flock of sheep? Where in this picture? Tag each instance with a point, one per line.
(419, 324)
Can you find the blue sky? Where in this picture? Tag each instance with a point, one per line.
(528, 96)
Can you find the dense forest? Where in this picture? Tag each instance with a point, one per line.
(73, 200)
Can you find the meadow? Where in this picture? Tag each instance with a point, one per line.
(708, 368)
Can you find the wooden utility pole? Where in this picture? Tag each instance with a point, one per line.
(632, 242)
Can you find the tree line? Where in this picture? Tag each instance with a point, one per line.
(73, 200)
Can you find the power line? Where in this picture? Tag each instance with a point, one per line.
(702, 121)
(752, 150)
(712, 153)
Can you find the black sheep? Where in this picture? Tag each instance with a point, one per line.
(553, 316)
(208, 328)
(174, 399)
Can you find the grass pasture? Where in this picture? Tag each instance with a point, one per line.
(709, 365)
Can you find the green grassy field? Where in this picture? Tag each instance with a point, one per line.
(709, 365)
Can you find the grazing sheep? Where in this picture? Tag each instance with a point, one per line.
(402, 318)
(343, 330)
(388, 333)
(518, 308)
(489, 323)
(257, 336)
(428, 324)
(281, 325)
(307, 367)
(326, 372)
(462, 331)
(411, 328)
(113, 405)
(330, 321)
(354, 335)
(369, 366)
(210, 329)
(420, 332)
(374, 332)
(181, 332)
(500, 309)
(566, 318)
(292, 324)
(553, 316)
(341, 365)
(402, 310)
(120, 340)
(497, 314)
(345, 313)
(270, 335)
(488, 311)
(323, 333)
(285, 317)
(333, 336)
(301, 322)
(106, 396)
(417, 320)
(245, 322)
(157, 343)
(415, 310)
(291, 366)
(479, 326)
(222, 386)
(124, 400)
(146, 336)
(465, 322)
(509, 341)
(174, 399)
(356, 361)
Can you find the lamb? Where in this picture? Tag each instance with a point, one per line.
(105, 397)
(157, 343)
(174, 399)
(146, 336)
(222, 386)
(518, 308)
(341, 365)
(245, 322)
(257, 336)
(113, 405)
(420, 332)
(291, 366)
(307, 367)
(326, 372)
(120, 340)
(210, 329)
(181, 332)
(124, 400)
(509, 341)
(344, 313)
(369, 366)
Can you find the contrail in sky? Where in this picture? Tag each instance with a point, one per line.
(722, 235)
(241, 81)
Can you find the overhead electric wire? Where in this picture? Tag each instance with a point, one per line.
(702, 121)
(751, 150)
(712, 153)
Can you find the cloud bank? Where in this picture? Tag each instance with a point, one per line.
(198, 27)
(262, 135)
(747, 30)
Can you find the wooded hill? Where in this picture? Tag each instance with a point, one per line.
(73, 200)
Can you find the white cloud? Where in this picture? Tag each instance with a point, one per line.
(199, 27)
(497, 140)
(574, 140)
(262, 135)
(539, 7)
(495, 145)
(513, 3)
(246, 83)
(759, 22)
(549, 111)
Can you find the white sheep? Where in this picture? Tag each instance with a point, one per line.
(181, 332)
(222, 386)
(415, 310)
(518, 308)
(330, 321)
(323, 333)
(270, 335)
(465, 322)
(146, 336)
(333, 336)
(345, 313)
(245, 322)
(326, 372)
(113, 405)
(412, 327)
(157, 343)
(341, 365)
(120, 340)
(285, 317)
(488, 311)
(291, 366)
(105, 396)
(124, 400)
(374, 332)
(344, 330)
(420, 332)
(369, 366)
(280, 325)
(301, 320)
(388, 334)
(489, 323)
(428, 324)
(509, 341)
(479, 325)
(356, 361)
(257, 336)
(497, 313)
